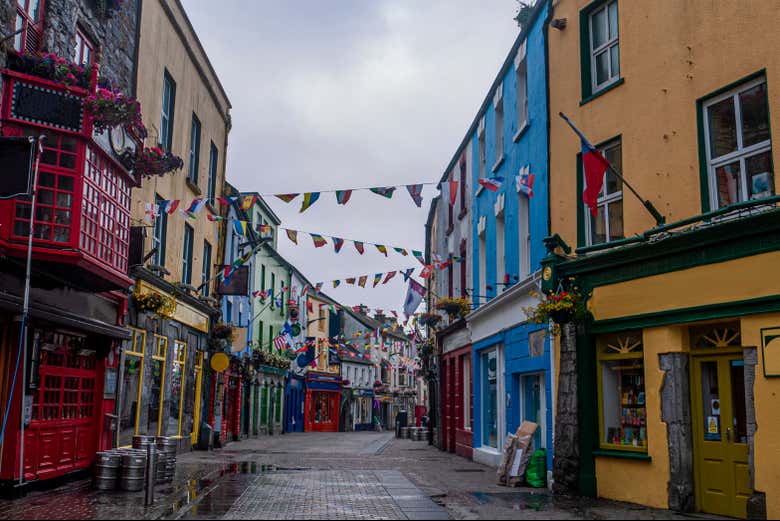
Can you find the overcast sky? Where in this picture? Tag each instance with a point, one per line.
(343, 94)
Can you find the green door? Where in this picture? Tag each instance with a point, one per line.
(720, 435)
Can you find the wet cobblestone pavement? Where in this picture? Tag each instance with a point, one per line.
(324, 476)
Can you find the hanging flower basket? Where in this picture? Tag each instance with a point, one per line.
(110, 108)
(224, 332)
(154, 161)
(154, 303)
(51, 67)
(429, 319)
(455, 307)
(561, 307)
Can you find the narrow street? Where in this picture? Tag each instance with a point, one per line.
(323, 476)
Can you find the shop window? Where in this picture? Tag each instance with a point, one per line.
(156, 368)
(621, 380)
(28, 25)
(489, 376)
(105, 220)
(738, 145)
(129, 406)
(175, 389)
(607, 226)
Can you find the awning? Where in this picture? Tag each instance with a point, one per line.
(63, 318)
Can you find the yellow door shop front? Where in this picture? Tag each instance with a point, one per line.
(720, 435)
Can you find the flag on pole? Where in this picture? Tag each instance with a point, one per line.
(389, 276)
(594, 166)
(386, 191)
(170, 206)
(287, 197)
(338, 243)
(401, 251)
(319, 240)
(292, 235)
(359, 247)
(377, 279)
(382, 248)
(342, 196)
(362, 281)
(240, 227)
(492, 183)
(415, 191)
(419, 256)
(309, 198)
(414, 297)
(280, 342)
(525, 183)
(453, 192)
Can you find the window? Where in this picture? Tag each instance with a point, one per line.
(463, 195)
(270, 336)
(450, 277)
(166, 114)
(621, 381)
(262, 277)
(604, 51)
(481, 138)
(206, 272)
(175, 389)
(498, 105)
(489, 375)
(156, 368)
(192, 174)
(213, 160)
(462, 268)
(322, 318)
(260, 334)
(186, 263)
(482, 267)
(501, 279)
(160, 232)
(28, 25)
(738, 145)
(272, 296)
(450, 208)
(607, 226)
(84, 50)
(521, 76)
(524, 239)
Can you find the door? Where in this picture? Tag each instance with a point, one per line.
(720, 435)
(532, 392)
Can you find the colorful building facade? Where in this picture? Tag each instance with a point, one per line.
(672, 403)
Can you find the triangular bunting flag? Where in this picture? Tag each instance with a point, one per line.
(386, 191)
(240, 227)
(292, 235)
(492, 183)
(214, 218)
(362, 281)
(337, 243)
(426, 272)
(336, 284)
(382, 248)
(359, 247)
(287, 197)
(408, 273)
(389, 276)
(342, 196)
(377, 279)
(419, 256)
(401, 251)
(319, 240)
(416, 192)
(223, 201)
(318, 286)
(309, 199)
(350, 281)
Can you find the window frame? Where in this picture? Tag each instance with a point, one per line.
(601, 358)
(213, 166)
(161, 227)
(463, 280)
(21, 40)
(463, 196)
(482, 150)
(606, 47)
(83, 42)
(524, 235)
(187, 254)
(742, 153)
(603, 200)
(498, 126)
(206, 269)
(194, 153)
(167, 111)
(521, 79)
(590, 89)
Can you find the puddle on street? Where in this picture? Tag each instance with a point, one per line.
(516, 500)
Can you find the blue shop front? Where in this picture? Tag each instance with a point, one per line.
(294, 402)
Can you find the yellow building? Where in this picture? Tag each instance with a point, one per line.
(320, 317)
(187, 113)
(677, 370)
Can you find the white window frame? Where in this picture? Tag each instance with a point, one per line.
(500, 245)
(605, 47)
(521, 77)
(741, 154)
(524, 231)
(498, 108)
(604, 200)
(482, 297)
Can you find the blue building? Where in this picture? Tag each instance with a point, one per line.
(512, 364)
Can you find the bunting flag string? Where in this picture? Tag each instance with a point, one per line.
(293, 236)
(309, 198)
(338, 243)
(319, 240)
(342, 196)
(415, 191)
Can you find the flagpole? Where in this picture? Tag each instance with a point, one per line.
(659, 219)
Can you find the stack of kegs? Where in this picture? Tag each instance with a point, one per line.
(166, 459)
(107, 466)
(404, 432)
(142, 442)
(421, 434)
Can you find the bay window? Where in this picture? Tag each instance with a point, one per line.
(738, 145)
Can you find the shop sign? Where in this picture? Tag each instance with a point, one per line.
(49, 107)
(220, 362)
(181, 312)
(770, 343)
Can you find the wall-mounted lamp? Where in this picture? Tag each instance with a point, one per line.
(559, 23)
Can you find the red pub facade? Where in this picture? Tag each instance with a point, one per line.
(64, 401)
(456, 389)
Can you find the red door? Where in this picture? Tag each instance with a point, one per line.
(322, 411)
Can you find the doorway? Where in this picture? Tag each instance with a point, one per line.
(720, 434)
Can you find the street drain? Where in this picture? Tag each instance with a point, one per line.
(469, 470)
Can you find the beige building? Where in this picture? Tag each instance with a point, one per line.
(187, 113)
